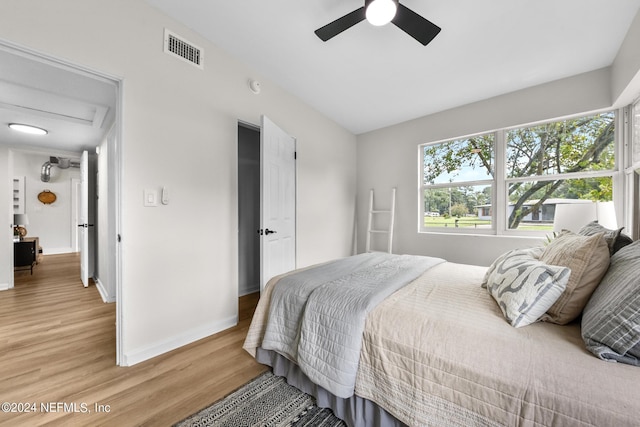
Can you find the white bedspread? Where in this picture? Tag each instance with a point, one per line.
(317, 316)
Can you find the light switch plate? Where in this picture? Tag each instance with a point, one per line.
(150, 197)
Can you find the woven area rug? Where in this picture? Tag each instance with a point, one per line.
(264, 401)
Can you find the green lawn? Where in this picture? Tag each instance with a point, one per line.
(536, 227)
(475, 222)
(466, 222)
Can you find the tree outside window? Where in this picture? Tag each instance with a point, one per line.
(558, 162)
(458, 178)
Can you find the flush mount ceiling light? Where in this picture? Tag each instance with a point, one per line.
(381, 12)
(28, 129)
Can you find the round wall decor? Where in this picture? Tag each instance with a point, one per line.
(47, 197)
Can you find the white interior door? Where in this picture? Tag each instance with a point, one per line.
(83, 226)
(278, 201)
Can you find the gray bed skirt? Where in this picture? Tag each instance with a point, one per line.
(355, 411)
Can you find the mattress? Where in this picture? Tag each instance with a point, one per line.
(439, 352)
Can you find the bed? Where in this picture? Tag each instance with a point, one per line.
(443, 350)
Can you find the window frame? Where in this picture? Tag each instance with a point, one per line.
(422, 187)
(632, 170)
(500, 183)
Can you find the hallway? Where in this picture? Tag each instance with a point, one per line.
(57, 347)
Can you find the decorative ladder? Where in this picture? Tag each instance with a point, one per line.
(389, 212)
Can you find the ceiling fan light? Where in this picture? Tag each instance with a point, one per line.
(381, 12)
(28, 129)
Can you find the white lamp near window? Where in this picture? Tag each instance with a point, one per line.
(574, 216)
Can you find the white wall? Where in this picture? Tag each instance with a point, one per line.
(179, 130)
(625, 70)
(389, 158)
(51, 223)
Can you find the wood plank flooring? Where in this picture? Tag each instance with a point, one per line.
(57, 351)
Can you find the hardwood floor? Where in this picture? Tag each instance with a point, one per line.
(57, 351)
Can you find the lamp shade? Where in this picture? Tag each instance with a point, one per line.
(20, 219)
(606, 214)
(574, 216)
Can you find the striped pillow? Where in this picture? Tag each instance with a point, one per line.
(524, 287)
(611, 319)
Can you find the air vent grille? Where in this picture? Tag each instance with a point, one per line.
(182, 49)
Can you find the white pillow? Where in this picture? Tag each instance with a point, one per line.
(524, 287)
(534, 253)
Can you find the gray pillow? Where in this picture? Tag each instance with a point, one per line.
(615, 239)
(524, 287)
(611, 319)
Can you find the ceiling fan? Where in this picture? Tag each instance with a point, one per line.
(381, 12)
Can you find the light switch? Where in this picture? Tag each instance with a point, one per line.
(150, 197)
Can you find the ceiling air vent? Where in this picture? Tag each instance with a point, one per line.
(181, 48)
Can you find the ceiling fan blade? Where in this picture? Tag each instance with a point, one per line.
(415, 25)
(341, 24)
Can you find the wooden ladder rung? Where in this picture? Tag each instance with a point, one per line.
(390, 212)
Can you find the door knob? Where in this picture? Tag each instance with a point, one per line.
(267, 231)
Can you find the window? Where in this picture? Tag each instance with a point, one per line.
(458, 182)
(568, 161)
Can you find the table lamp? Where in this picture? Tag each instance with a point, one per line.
(19, 221)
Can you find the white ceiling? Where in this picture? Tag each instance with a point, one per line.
(76, 108)
(371, 77)
(364, 79)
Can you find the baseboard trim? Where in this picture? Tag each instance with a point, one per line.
(245, 291)
(57, 251)
(140, 355)
(106, 298)
(4, 286)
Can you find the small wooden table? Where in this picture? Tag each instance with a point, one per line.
(26, 253)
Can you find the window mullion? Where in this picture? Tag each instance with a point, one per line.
(458, 184)
(500, 187)
(568, 175)
(624, 194)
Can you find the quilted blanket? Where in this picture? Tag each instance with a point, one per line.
(439, 352)
(317, 316)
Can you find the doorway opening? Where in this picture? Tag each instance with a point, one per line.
(81, 108)
(266, 204)
(248, 209)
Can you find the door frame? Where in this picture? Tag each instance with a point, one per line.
(85, 245)
(114, 169)
(244, 228)
(75, 216)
